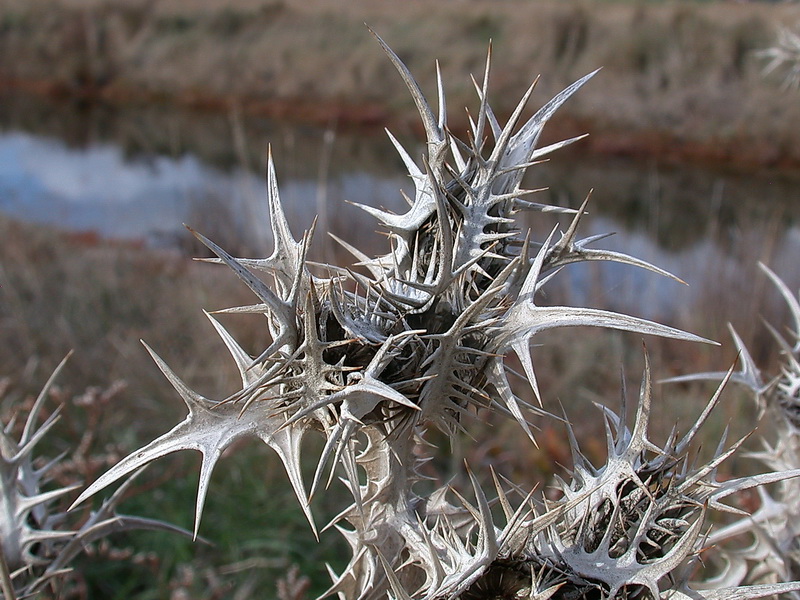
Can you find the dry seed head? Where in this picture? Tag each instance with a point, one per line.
(372, 356)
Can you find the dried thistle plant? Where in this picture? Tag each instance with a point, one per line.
(784, 57)
(375, 355)
(38, 538)
(771, 535)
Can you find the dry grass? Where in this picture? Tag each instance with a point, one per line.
(678, 77)
(63, 292)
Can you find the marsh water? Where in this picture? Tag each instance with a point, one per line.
(139, 174)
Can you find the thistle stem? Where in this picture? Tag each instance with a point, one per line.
(6, 586)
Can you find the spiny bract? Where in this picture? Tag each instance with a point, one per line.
(784, 55)
(37, 541)
(771, 533)
(416, 338)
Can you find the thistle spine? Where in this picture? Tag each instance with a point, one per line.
(417, 339)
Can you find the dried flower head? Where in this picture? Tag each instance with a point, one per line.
(374, 355)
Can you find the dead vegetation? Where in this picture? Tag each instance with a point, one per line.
(680, 77)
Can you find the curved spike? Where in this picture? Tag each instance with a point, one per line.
(538, 153)
(683, 445)
(503, 141)
(638, 438)
(287, 249)
(483, 93)
(749, 375)
(529, 133)
(434, 134)
(243, 360)
(266, 295)
(500, 381)
(286, 442)
(25, 503)
(569, 250)
(743, 592)
(33, 415)
(487, 538)
(413, 170)
(398, 590)
(209, 428)
(22, 452)
(532, 319)
(791, 301)
(442, 122)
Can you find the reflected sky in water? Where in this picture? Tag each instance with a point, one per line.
(97, 188)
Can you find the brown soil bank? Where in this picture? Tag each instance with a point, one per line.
(681, 80)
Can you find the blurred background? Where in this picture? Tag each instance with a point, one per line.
(122, 120)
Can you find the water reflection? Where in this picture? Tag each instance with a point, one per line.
(142, 173)
(97, 188)
(147, 197)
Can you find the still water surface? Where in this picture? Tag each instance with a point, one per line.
(140, 174)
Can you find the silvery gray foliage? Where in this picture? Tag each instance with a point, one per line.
(773, 551)
(372, 356)
(38, 541)
(784, 56)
